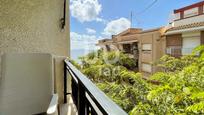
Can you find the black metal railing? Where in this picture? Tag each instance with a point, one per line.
(178, 51)
(87, 97)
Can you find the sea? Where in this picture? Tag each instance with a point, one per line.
(76, 53)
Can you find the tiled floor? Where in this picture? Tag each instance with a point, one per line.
(69, 108)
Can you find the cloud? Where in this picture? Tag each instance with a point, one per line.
(116, 26)
(86, 10)
(83, 41)
(90, 31)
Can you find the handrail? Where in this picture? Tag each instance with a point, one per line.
(87, 97)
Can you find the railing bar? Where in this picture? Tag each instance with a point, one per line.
(74, 86)
(90, 94)
(105, 105)
(73, 76)
(93, 105)
(88, 110)
(93, 112)
(82, 100)
(65, 83)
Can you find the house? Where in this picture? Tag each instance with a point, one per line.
(105, 44)
(186, 31)
(36, 76)
(178, 38)
(152, 45)
(145, 46)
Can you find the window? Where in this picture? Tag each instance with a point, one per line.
(189, 44)
(174, 51)
(147, 67)
(146, 47)
(203, 8)
(177, 16)
(127, 48)
(168, 50)
(108, 48)
(191, 12)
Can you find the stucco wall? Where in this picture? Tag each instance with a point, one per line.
(151, 57)
(158, 50)
(28, 26)
(33, 26)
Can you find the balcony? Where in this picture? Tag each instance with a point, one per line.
(187, 21)
(29, 85)
(177, 51)
(188, 15)
(86, 96)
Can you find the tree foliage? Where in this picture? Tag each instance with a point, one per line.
(180, 89)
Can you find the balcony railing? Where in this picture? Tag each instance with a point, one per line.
(87, 97)
(177, 51)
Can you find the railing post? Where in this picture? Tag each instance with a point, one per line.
(87, 108)
(82, 106)
(65, 83)
(74, 87)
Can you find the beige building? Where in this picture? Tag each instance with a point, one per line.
(145, 46)
(179, 37)
(151, 50)
(186, 31)
(106, 44)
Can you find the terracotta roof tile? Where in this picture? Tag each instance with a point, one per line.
(187, 26)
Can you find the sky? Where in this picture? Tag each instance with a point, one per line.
(92, 20)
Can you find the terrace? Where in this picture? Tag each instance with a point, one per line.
(35, 88)
(36, 76)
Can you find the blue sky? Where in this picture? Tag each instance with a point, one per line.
(92, 20)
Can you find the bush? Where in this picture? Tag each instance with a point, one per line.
(181, 88)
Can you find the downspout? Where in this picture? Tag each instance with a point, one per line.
(63, 20)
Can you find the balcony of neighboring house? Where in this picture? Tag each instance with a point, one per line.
(189, 18)
(177, 51)
(187, 15)
(106, 44)
(186, 31)
(131, 49)
(128, 42)
(183, 44)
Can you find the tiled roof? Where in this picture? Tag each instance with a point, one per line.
(193, 25)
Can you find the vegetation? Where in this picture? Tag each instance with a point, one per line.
(180, 89)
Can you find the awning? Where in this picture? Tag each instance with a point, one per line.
(127, 42)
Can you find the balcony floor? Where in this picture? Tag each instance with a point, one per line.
(69, 108)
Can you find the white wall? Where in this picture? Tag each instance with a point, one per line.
(191, 12)
(177, 16)
(191, 20)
